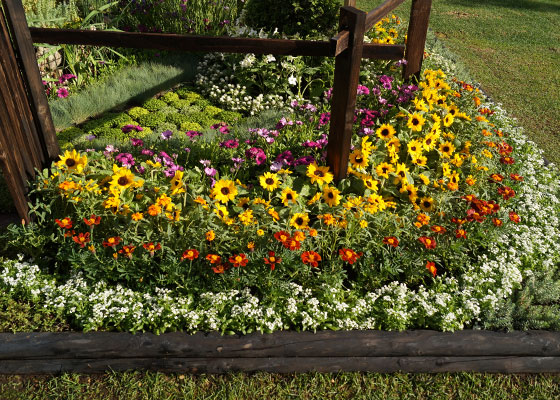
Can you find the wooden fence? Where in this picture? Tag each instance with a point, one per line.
(27, 134)
(282, 352)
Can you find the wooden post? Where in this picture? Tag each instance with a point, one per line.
(350, 3)
(32, 81)
(416, 38)
(27, 135)
(346, 76)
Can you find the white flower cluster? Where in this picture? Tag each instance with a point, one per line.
(214, 82)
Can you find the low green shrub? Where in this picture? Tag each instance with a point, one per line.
(169, 97)
(137, 112)
(152, 120)
(154, 104)
(303, 17)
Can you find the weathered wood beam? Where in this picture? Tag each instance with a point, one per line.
(416, 37)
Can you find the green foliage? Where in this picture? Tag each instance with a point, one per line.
(535, 306)
(137, 112)
(180, 104)
(190, 126)
(212, 111)
(152, 120)
(169, 97)
(303, 17)
(69, 134)
(229, 116)
(188, 95)
(25, 316)
(154, 104)
(177, 118)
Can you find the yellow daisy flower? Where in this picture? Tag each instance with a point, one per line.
(269, 181)
(224, 190)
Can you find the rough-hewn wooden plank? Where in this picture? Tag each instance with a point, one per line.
(32, 78)
(288, 365)
(416, 37)
(343, 102)
(175, 42)
(383, 51)
(280, 344)
(375, 15)
(351, 3)
(17, 94)
(339, 43)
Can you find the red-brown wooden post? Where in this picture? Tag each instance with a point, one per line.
(343, 103)
(350, 3)
(416, 38)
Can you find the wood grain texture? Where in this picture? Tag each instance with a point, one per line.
(31, 76)
(421, 343)
(416, 37)
(343, 102)
(288, 365)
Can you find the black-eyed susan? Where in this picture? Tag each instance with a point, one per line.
(358, 160)
(420, 105)
(415, 122)
(414, 148)
(367, 147)
(122, 178)
(420, 160)
(269, 181)
(224, 190)
(411, 191)
(221, 211)
(448, 120)
(425, 180)
(177, 185)
(289, 196)
(401, 172)
(426, 204)
(446, 149)
(319, 174)
(299, 220)
(332, 196)
(385, 132)
(370, 183)
(243, 202)
(314, 199)
(72, 161)
(384, 169)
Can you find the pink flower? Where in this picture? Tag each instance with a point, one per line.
(62, 92)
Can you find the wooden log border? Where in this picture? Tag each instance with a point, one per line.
(282, 352)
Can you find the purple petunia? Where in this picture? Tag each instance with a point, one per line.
(257, 154)
(129, 128)
(137, 142)
(165, 135)
(230, 144)
(62, 93)
(126, 159)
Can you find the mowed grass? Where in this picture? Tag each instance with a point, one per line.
(275, 386)
(512, 48)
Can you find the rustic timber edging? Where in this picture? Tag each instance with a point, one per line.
(282, 352)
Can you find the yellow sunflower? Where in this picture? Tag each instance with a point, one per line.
(358, 159)
(426, 204)
(385, 132)
(414, 148)
(318, 174)
(446, 149)
(122, 178)
(448, 120)
(299, 220)
(72, 161)
(224, 190)
(177, 185)
(416, 122)
(332, 196)
(384, 169)
(269, 181)
(289, 196)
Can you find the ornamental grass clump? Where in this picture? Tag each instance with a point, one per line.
(431, 180)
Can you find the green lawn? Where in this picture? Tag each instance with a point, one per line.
(512, 48)
(291, 386)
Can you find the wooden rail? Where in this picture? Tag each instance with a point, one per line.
(35, 138)
(284, 351)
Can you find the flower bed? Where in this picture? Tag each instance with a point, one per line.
(241, 230)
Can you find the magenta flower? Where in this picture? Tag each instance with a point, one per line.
(129, 128)
(230, 144)
(62, 93)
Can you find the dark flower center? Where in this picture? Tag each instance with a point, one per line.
(123, 181)
(385, 132)
(289, 196)
(269, 181)
(319, 173)
(299, 221)
(225, 191)
(330, 195)
(70, 162)
(415, 121)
